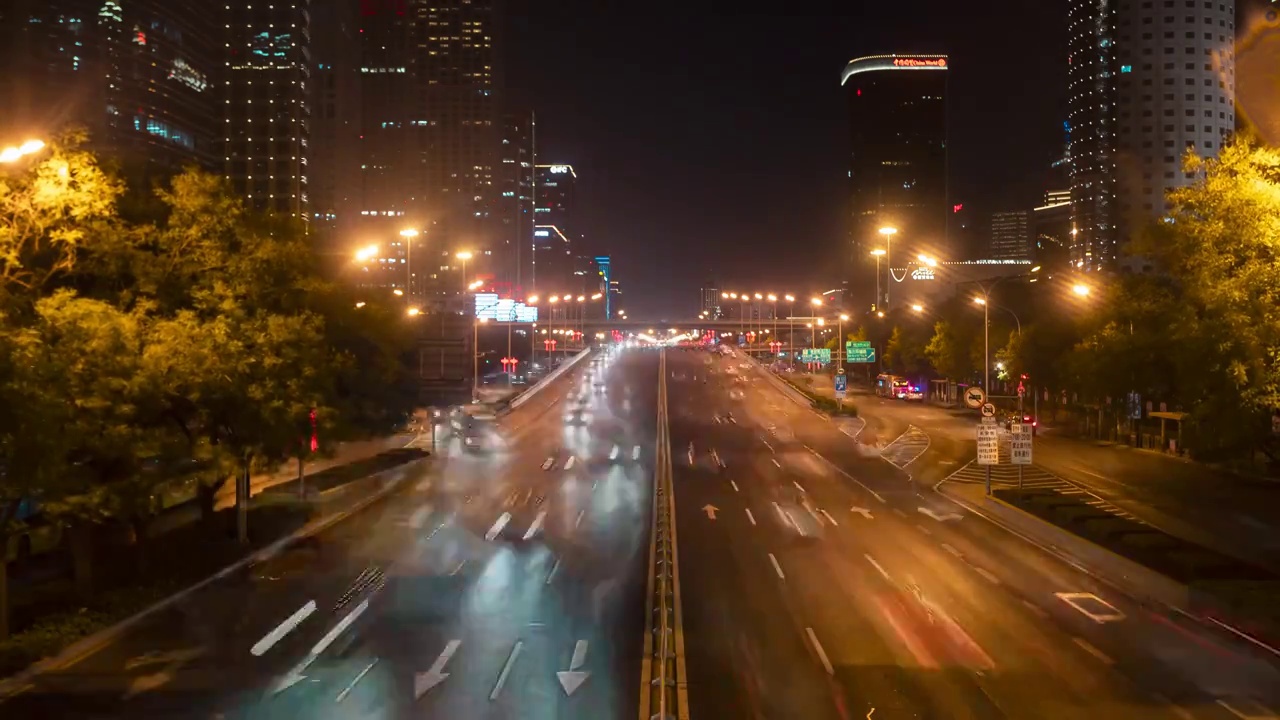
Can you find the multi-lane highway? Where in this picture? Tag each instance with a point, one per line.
(816, 579)
(507, 583)
(820, 581)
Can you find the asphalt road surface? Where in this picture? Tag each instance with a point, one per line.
(820, 581)
(502, 584)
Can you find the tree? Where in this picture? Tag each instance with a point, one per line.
(950, 352)
(905, 352)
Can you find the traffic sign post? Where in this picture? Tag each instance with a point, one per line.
(1020, 447)
(859, 351)
(815, 355)
(974, 397)
(988, 446)
(842, 387)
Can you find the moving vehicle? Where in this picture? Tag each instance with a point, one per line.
(898, 388)
(1024, 418)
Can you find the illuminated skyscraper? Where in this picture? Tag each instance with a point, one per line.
(139, 76)
(267, 102)
(897, 158)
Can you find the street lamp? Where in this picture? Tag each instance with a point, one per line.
(367, 252)
(791, 329)
(774, 299)
(888, 233)
(413, 311)
(840, 340)
(14, 154)
(475, 358)
(917, 308)
(1081, 290)
(464, 256)
(408, 234)
(878, 253)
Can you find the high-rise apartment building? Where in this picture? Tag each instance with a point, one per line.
(709, 301)
(897, 158)
(1149, 80)
(1009, 237)
(430, 138)
(139, 76)
(334, 165)
(515, 199)
(1176, 88)
(266, 99)
(1091, 112)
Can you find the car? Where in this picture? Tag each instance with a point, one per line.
(1025, 419)
(578, 415)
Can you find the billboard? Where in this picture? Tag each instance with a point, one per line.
(489, 306)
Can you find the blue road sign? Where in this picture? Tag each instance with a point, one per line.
(842, 382)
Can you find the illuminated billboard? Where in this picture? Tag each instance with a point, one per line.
(498, 309)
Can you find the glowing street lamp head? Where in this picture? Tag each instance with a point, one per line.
(878, 252)
(553, 299)
(13, 154)
(413, 311)
(724, 296)
(1081, 290)
(980, 301)
(581, 298)
(816, 302)
(888, 231)
(397, 292)
(759, 296)
(596, 296)
(844, 318)
(917, 308)
(367, 252)
(927, 260)
(531, 300)
(409, 233)
(773, 298)
(463, 255)
(790, 297)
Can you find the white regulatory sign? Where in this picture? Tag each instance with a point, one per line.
(974, 397)
(1020, 444)
(988, 444)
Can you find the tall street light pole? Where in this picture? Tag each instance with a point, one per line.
(791, 330)
(840, 340)
(408, 234)
(774, 299)
(878, 253)
(888, 233)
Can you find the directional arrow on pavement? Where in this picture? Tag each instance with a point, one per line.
(863, 512)
(572, 679)
(940, 517)
(710, 510)
(424, 681)
(295, 675)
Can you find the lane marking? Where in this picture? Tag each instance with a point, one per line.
(766, 444)
(506, 670)
(776, 567)
(578, 521)
(735, 485)
(775, 462)
(424, 681)
(876, 565)
(987, 574)
(838, 469)
(546, 464)
(1089, 648)
(551, 575)
(899, 513)
(635, 453)
(568, 464)
(284, 628)
(458, 569)
(498, 525)
(924, 529)
(751, 517)
(1245, 636)
(347, 690)
(613, 454)
(1077, 600)
(1256, 712)
(827, 515)
(536, 526)
(822, 654)
(798, 486)
(340, 628)
(1041, 612)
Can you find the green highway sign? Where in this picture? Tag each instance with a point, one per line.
(859, 351)
(815, 355)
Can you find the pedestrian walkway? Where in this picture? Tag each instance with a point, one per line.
(1034, 479)
(905, 448)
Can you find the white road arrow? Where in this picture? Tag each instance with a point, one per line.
(423, 682)
(295, 676)
(710, 510)
(572, 679)
(940, 517)
(863, 512)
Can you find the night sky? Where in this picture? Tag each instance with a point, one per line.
(711, 146)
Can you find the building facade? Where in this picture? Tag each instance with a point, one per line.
(897, 159)
(1176, 90)
(267, 104)
(709, 300)
(515, 204)
(140, 77)
(1009, 237)
(1091, 113)
(557, 236)
(334, 165)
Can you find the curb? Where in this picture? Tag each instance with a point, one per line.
(1148, 587)
(91, 644)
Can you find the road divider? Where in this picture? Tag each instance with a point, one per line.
(539, 386)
